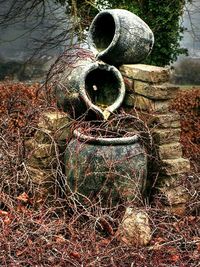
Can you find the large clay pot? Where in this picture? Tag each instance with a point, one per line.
(90, 86)
(118, 36)
(107, 168)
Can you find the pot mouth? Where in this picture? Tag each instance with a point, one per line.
(116, 131)
(104, 32)
(102, 89)
(86, 138)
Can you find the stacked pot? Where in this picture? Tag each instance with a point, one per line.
(98, 165)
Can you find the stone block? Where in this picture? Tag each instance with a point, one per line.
(129, 84)
(43, 163)
(169, 181)
(129, 100)
(175, 166)
(135, 229)
(153, 106)
(40, 150)
(178, 210)
(169, 151)
(145, 104)
(174, 195)
(54, 120)
(53, 126)
(146, 73)
(43, 136)
(155, 91)
(166, 136)
(41, 155)
(170, 120)
(43, 182)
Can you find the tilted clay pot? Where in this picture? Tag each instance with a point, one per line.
(118, 36)
(90, 86)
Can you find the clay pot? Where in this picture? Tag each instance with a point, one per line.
(90, 86)
(104, 164)
(118, 36)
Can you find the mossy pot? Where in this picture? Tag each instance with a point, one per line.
(90, 86)
(118, 36)
(109, 169)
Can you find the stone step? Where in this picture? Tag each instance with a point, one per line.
(170, 120)
(41, 155)
(53, 120)
(145, 104)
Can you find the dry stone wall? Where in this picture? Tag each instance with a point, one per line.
(44, 149)
(149, 93)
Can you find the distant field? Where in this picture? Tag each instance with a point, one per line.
(188, 87)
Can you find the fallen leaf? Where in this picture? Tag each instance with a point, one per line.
(60, 239)
(7, 220)
(29, 242)
(175, 257)
(23, 197)
(104, 242)
(106, 226)
(75, 254)
(20, 252)
(3, 213)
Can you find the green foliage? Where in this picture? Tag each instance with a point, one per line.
(163, 17)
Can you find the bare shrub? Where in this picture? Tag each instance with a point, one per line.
(62, 231)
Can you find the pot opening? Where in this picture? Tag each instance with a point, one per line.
(102, 87)
(103, 31)
(105, 136)
(118, 130)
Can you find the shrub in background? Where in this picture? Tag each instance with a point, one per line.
(187, 104)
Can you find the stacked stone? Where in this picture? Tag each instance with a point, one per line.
(149, 92)
(44, 149)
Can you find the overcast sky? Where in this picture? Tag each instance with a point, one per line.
(17, 40)
(191, 20)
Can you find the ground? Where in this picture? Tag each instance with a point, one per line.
(62, 232)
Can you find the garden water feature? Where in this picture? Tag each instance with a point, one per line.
(101, 161)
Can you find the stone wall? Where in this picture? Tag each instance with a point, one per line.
(149, 93)
(45, 149)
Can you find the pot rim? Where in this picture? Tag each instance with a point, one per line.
(86, 138)
(119, 98)
(116, 34)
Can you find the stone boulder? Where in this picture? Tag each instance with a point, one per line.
(135, 229)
